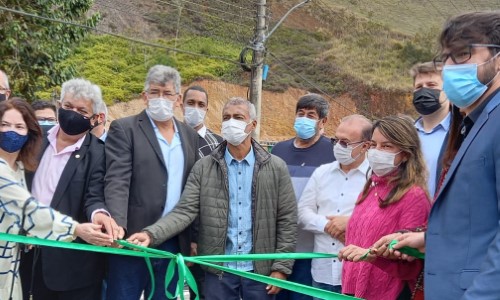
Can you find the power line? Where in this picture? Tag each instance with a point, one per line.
(118, 35)
(203, 13)
(437, 10)
(216, 9)
(475, 8)
(316, 87)
(234, 5)
(456, 8)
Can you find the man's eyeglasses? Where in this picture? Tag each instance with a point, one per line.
(463, 55)
(158, 93)
(344, 143)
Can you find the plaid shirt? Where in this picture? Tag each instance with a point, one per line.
(208, 143)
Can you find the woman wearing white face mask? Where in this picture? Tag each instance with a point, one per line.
(395, 197)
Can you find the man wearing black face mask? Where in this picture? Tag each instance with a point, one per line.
(433, 106)
(4, 86)
(70, 179)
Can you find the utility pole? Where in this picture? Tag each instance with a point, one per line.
(257, 63)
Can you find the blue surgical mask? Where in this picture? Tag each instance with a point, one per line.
(46, 123)
(11, 141)
(305, 127)
(461, 84)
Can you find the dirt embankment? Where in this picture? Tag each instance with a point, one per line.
(278, 109)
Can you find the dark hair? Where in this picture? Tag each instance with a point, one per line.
(455, 137)
(314, 101)
(194, 88)
(43, 104)
(429, 67)
(29, 153)
(469, 28)
(401, 131)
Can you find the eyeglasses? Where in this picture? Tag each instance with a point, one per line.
(463, 55)
(344, 143)
(158, 93)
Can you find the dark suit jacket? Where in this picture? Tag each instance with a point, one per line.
(136, 176)
(462, 259)
(79, 192)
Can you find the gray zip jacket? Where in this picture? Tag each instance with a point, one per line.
(274, 209)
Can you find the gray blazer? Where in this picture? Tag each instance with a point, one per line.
(136, 176)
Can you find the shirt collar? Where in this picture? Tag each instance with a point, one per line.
(156, 127)
(445, 124)
(250, 158)
(202, 131)
(52, 138)
(363, 167)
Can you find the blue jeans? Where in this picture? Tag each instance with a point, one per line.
(128, 276)
(301, 273)
(234, 287)
(327, 287)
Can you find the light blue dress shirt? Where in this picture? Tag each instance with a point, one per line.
(174, 161)
(239, 232)
(432, 142)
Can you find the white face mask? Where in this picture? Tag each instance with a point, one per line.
(233, 131)
(381, 162)
(194, 116)
(160, 109)
(344, 155)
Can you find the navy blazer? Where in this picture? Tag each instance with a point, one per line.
(463, 237)
(79, 192)
(136, 174)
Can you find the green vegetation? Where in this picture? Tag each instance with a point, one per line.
(119, 67)
(31, 48)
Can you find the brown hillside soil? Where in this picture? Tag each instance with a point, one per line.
(278, 109)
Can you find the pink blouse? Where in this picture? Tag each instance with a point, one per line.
(382, 278)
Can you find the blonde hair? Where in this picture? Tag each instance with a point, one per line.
(402, 133)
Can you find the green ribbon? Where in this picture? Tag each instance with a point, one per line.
(407, 250)
(183, 271)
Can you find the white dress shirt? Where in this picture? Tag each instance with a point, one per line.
(329, 192)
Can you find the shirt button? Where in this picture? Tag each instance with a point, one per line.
(334, 260)
(239, 218)
(239, 247)
(239, 188)
(240, 232)
(333, 244)
(239, 173)
(346, 178)
(338, 210)
(239, 203)
(342, 194)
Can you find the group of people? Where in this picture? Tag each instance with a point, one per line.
(429, 184)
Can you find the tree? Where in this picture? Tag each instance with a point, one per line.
(31, 48)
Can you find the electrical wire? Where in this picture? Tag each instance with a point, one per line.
(216, 9)
(203, 13)
(118, 35)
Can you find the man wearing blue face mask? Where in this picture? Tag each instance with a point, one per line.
(434, 108)
(4, 86)
(465, 215)
(303, 154)
(46, 113)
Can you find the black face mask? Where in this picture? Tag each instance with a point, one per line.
(3, 97)
(426, 101)
(73, 123)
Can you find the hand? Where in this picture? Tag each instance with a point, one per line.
(92, 234)
(336, 225)
(381, 247)
(109, 224)
(354, 253)
(193, 252)
(411, 239)
(271, 289)
(140, 238)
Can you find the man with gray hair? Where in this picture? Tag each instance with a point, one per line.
(4, 86)
(99, 129)
(245, 202)
(148, 158)
(70, 179)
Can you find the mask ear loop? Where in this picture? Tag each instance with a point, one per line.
(492, 79)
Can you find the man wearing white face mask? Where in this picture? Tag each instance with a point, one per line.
(330, 195)
(244, 199)
(148, 158)
(195, 107)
